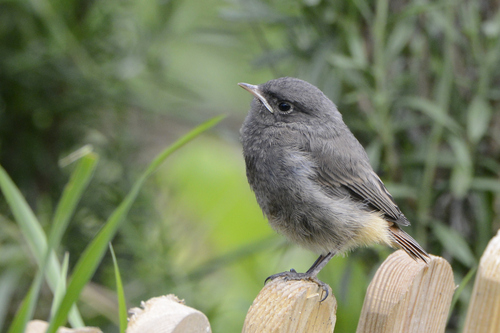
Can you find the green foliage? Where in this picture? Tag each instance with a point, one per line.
(416, 80)
(42, 249)
(94, 252)
(92, 256)
(122, 305)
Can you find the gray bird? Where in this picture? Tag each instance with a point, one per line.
(312, 178)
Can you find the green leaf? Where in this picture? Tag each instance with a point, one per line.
(433, 111)
(461, 286)
(400, 190)
(61, 285)
(461, 176)
(454, 243)
(122, 304)
(399, 38)
(253, 11)
(25, 312)
(35, 238)
(491, 28)
(92, 256)
(356, 46)
(8, 282)
(341, 61)
(374, 151)
(486, 184)
(28, 223)
(478, 119)
(72, 194)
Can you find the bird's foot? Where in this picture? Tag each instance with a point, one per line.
(294, 275)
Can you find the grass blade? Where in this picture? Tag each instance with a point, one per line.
(122, 304)
(61, 286)
(28, 223)
(454, 243)
(34, 235)
(8, 281)
(434, 111)
(91, 257)
(478, 119)
(71, 196)
(461, 286)
(25, 312)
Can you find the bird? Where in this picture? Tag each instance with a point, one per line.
(313, 179)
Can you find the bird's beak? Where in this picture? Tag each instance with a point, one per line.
(254, 90)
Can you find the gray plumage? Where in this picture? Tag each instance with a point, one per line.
(311, 176)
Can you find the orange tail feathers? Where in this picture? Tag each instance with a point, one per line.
(408, 244)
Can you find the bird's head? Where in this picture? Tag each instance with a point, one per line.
(289, 100)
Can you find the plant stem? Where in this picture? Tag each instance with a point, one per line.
(381, 97)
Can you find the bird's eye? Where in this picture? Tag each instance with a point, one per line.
(284, 106)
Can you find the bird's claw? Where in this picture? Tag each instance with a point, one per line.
(293, 275)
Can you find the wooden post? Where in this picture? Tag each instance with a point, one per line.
(167, 314)
(483, 314)
(40, 326)
(291, 306)
(408, 296)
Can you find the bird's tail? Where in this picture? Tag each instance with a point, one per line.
(408, 244)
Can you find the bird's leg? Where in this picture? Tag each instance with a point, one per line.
(319, 264)
(310, 274)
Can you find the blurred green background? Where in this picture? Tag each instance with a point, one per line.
(417, 81)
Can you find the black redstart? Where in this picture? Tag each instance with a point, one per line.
(312, 178)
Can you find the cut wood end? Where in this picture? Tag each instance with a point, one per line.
(489, 265)
(484, 305)
(402, 269)
(40, 326)
(399, 272)
(408, 295)
(166, 314)
(291, 306)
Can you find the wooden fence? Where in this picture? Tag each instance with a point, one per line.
(404, 296)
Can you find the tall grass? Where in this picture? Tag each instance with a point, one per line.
(92, 256)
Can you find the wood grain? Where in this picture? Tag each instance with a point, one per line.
(167, 314)
(483, 314)
(408, 296)
(291, 306)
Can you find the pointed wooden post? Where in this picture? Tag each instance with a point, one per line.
(484, 307)
(291, 306)
(408, 296)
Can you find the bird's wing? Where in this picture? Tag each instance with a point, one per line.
(348, 171)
